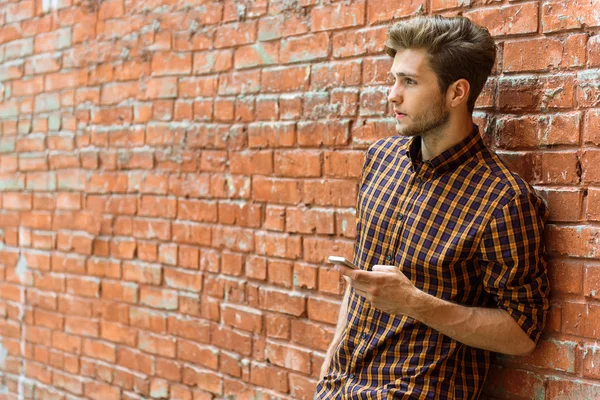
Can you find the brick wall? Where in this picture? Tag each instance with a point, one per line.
(174, 173)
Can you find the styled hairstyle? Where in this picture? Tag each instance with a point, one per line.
(456, 47)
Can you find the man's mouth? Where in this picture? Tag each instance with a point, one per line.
(400, 115)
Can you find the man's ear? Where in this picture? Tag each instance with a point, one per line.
(458, 93)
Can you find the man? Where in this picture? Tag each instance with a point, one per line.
(449, 241)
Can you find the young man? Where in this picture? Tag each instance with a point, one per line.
(449, 241)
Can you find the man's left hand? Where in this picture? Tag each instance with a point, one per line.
(385, 287)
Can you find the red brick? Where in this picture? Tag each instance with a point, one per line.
(281, 25)
(593, 55)
(234, 239)
(588, 91)
(69, 383)
(81, 326)
(560, 168)
(323, 310)
(38, 372)
(340, 193)
(592, 211)
(258, 54)
(191, 233)
(282, 301)
(438, 5)
(239, 82)
(590, 159)
(294, 163)
(203, 379)
(591, 282)
(337, 16)
(285, 79)
(288, 356)
(168, 63)
(100, 391)
(198, 354)
(197, 210)
(267, 376)
(135, 360)
(228, 339)
(100, 350)
(165, 299)
(168, 369)
(574, 241)
(117, 333)
(157, 344)
(231, 364)
(508, 20)
(120, 291)
(20, 11)
(565, 389)
(314, 134)
(86, 287)
(184, 280)
(194, 329)
(148, 319)
(276, 134)
(574, 51)
(304, 48)
(240, 214)
(561, 15)
(256, 268)
(391, 10)
(235, 34)
(197, 86)
(278, 245)
(273, 190)
(65, 342)
(532, 55)
(160, 88)
(302, 387)
(564, 204)
(591, 133)
(376, 71)
(336, 74)
(524, 384)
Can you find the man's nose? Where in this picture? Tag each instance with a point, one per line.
(395, 95)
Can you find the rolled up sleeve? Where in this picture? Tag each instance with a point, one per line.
(512, 259)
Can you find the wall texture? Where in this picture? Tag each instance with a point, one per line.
(174, 173)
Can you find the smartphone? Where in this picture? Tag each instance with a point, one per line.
(341, 261)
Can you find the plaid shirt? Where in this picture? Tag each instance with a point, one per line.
(461, 227)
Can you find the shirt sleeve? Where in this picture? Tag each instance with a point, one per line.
(513, 265)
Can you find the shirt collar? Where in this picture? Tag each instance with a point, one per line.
(451, 158)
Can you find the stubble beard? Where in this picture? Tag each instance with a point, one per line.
(429, 123)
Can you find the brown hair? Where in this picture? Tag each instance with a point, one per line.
(457, 48)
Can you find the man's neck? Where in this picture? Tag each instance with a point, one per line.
(435, 143)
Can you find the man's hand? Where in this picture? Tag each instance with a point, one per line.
(389, 290)
(385, 287)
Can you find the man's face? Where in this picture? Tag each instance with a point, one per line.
(419, 106)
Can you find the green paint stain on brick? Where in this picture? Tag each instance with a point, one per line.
(8, 111)
(64, 39)
(54, 122)
(8, 184)
(47, 102)
(7, 144)
(19, 49)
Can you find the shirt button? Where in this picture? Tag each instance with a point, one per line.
(389, 257)
(363, 335)
(351, 376)
(400, 217)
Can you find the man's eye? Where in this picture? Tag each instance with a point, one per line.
(410, 81)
